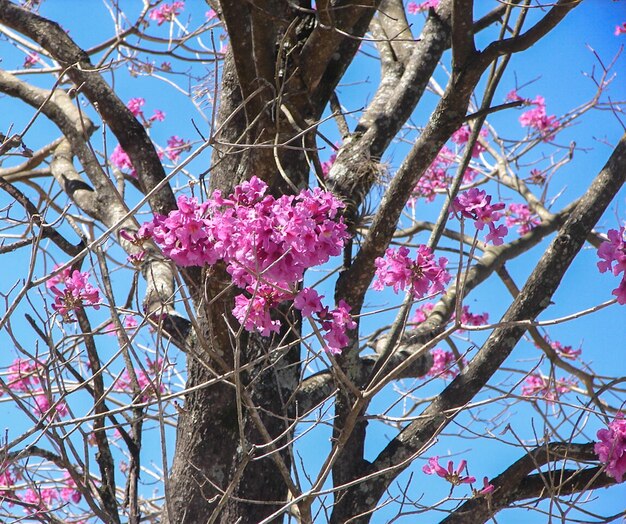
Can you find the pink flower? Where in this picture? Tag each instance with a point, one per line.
(121, 160)
(210, 15)
(454, 477)
(78, 293)
(620, 29)
(422, 312)
(69, 492)
(129, 323)
(166, 12)
(336, 323)
(462, 135)
(175, 146)
(422, 275)
(135, 104)
(308, 302)
(538, 120)
(487, 489)
(476, 204)
(24, 374)
(157, 116)
(43, 405)
(513, 96)
(326, 166)
(31, 60)
(443, 362)
(522, 216)
(254, 313)
(611, 448)
(412, 8)
(565, 351)
(613, 258)
(470, 319)
(536, 385)
(146, 379)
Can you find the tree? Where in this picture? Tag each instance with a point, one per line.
(214, 326)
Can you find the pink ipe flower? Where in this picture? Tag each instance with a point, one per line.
(135, 105)
(488, 489)
(520, 215)
(444, 363)
(413, 8)
(538, 120)
(30, 60)
(462, 135)
(121, 160)
(24, 375)
(147, 380)
(336, 323)
(43, 403)
(476, 204)
(613, 259)
(536, 385)
(620, 29)
(611, 448)
(166, 12)
(565, 351)
(420, 275)
(78, 293)
(175, 147)
(454, 477)
(69, 493)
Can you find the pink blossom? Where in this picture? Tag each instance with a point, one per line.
(69, 492)
(443, 364)
(146, 380)
(31, 60)
(24, 374)
(121, 160)
(513, 96)
(611, 448)
(522, 216)
(58, 278)
(7, 481)
(135, 104)
(462, 135)
(43, 404)
(476, 204)
(422, 312)
(454, 477)
(488, 489)
(129, 323)
(308, 302)
(413, 8)
(536, 385)
(613, 258)
(336, 323)
(166, 12)
(436, 179)
(210, 15)
(266, 243)
(620, 29)
(39, 500)
(538, 119)
(78, 293)
(175, 146)
(471, 319)
(157, 116)
(326, 166)
(565, 351)
(422, 275)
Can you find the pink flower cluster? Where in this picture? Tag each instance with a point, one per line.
(537, 118)
(620, 29)
(78, 292)
(25, 377)
(565, 351)
(326, 166)
(611, 448)
(39, 500)
(129, 323)
(476, 204)
(471, 319)
(520, 215)
(420, 276)
(443, 364)
(166, 12)
(454, 477)
(413, 8)
(266, 243)
(120, 159)
(135, 105)
(613, 251)
(175, 147)
(145, 379)
(536, 385)
(31, 60)
(436, 179)
(462, 135)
